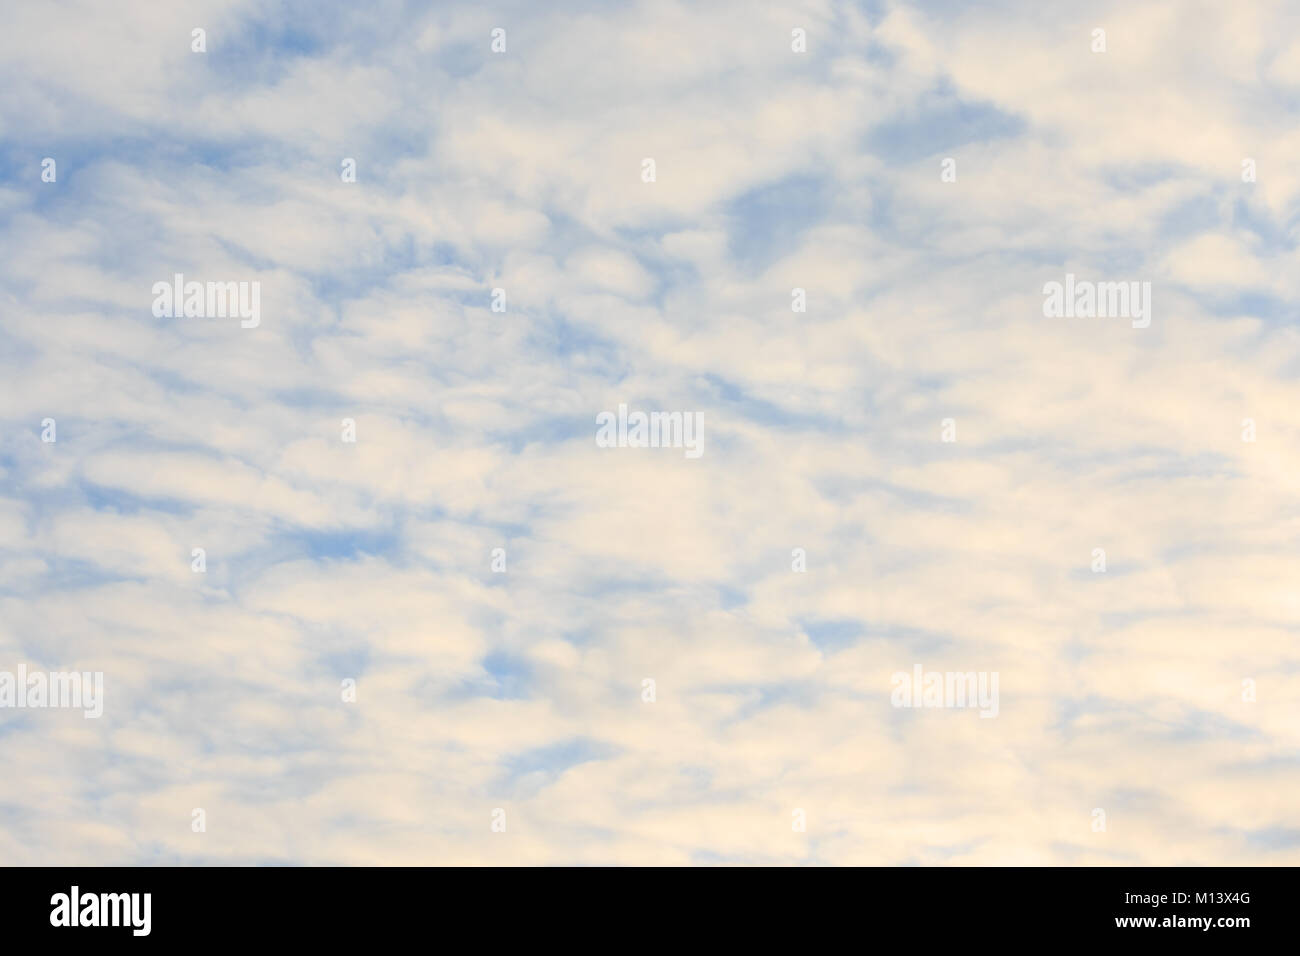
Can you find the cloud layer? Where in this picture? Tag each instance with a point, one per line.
(522, 690)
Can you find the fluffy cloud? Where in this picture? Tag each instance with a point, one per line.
(372, 561)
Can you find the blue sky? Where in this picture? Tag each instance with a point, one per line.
(522, 690)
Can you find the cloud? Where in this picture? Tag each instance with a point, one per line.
(522, 689)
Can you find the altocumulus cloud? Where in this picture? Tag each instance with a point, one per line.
(362, 584)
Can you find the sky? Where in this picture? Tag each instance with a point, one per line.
(919, 469)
